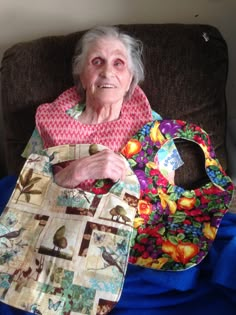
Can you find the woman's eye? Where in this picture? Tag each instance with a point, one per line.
(119, 63)
(97, 61)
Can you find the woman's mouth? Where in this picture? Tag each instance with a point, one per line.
(106, 86)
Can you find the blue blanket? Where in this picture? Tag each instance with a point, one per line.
(210, 287)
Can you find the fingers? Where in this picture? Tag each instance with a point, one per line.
(107, 164)
(65, 177)
(103, 164)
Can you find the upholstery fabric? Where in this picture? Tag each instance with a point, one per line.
(186, 69)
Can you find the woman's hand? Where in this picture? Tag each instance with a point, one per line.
(103, 164)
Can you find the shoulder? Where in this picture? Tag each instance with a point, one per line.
(65, 100)
(138, 102)
(155, 115)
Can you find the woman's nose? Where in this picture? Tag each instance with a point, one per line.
(107, 70)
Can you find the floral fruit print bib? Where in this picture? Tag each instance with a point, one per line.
(174, 227)
(65, 251)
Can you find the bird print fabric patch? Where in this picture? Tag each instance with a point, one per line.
(65, 250)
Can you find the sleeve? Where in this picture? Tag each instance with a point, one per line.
(155, 115)
(34, 145)
(168, 157)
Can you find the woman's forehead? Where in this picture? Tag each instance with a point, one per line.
(107, 44)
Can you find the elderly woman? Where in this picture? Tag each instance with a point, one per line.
(106, 106)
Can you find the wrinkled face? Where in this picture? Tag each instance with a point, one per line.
(106, 76)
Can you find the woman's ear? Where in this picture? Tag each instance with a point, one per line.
(129, 84)
(130, 81)
(82, 80)
(130, 90)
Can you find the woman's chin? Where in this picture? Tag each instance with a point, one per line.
(107, 96)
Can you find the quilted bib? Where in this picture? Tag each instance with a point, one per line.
(174, 227)
(65, 251)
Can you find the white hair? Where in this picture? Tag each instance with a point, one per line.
(133, 46)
